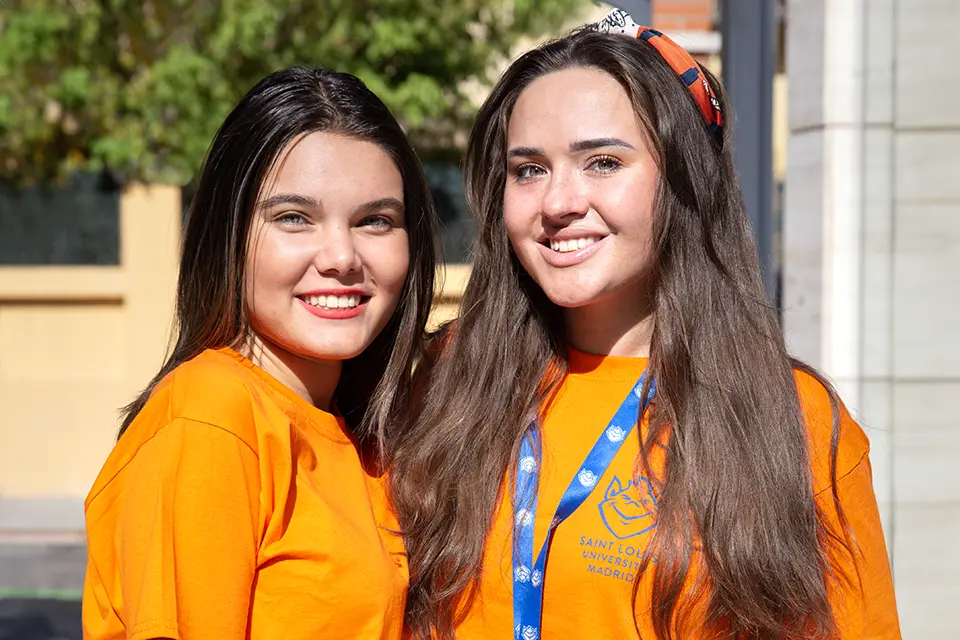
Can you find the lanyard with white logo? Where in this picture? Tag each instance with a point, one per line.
(527, 574)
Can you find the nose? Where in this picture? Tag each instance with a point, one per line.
(337, 253)
(564, 196)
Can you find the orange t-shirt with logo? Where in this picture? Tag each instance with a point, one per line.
(232, 508)
(596, 552)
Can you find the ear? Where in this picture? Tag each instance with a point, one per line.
(614, 488)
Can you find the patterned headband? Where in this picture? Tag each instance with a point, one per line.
(619, 21)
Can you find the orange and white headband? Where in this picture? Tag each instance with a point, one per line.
(683, 64)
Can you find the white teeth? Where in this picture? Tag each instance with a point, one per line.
(566, 246)
(333, 302)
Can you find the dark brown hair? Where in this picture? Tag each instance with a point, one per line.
(737, 481)
(375, 386)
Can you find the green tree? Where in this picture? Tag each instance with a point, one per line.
(138, 88)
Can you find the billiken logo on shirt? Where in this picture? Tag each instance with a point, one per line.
(626, 511)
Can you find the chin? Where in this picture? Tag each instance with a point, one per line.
(335, 352)
(570, 299)
(343, 349)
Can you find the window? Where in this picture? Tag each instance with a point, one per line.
(73, 224)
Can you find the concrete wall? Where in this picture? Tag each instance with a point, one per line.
(871, 261)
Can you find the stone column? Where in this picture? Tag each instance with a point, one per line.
(872, 261)
(926, 314)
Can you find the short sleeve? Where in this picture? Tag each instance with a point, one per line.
(186, 534)
(864, 604)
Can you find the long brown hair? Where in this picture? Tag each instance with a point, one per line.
(374, 387)
(737, 482)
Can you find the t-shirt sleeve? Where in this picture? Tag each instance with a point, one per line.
(186, 538)
(864, 602)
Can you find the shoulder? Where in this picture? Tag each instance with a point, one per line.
(215, 388)
(207, 404)
(828, 422)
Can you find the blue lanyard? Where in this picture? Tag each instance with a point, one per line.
(528, 575)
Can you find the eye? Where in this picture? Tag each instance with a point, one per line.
(604, 164)
(377, 223)
(291, 219)
(527, 171)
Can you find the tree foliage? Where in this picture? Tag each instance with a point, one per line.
(138, 88)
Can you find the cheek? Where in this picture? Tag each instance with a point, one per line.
(517, 219)
(390, 264)
(629, 212)
(639, 199)
(513, 234)
(260, 291)
(274, 267)
(401, 267)
(280, 261)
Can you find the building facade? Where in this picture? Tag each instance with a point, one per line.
(871, 263)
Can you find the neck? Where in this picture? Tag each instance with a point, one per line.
(314, 380)
(614, 327)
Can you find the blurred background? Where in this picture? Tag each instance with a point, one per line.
(847, 140)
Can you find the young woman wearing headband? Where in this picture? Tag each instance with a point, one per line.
(615, 281)
(243, 498)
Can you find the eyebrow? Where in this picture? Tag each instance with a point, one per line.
(312, 203)
(289, 198)
(524, 152)
(380, 204)
(575, 147)
(598, 143)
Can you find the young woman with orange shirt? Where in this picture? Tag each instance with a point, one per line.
(613, 441)
(243, 498)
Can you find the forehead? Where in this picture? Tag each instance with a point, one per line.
(577, 103)
(328, 165)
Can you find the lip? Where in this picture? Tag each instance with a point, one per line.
(571, 258)
(335, 314)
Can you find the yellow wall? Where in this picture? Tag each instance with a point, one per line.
(75, 345)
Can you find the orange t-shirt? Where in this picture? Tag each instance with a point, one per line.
(595, 553)
(232, 508)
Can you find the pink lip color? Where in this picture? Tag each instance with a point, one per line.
(572, 258)
(334, 314)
